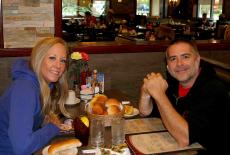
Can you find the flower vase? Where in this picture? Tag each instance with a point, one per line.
(83, 77)
(77, 70)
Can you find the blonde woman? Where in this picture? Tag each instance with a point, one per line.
(39, 90)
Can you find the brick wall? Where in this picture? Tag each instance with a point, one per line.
(25, 22)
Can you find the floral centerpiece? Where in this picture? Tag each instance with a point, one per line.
(78, 68)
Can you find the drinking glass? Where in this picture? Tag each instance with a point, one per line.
(118, 133)
(97, 132)
(81, 131)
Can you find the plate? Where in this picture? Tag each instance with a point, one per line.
(86, 96)
(125, 102)
(126, 151)
(77, 100)
(135, 113)
(45, 150)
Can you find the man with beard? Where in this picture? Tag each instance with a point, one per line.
(192, 103)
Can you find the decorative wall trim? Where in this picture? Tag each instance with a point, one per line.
(118, 47)
(1, 26)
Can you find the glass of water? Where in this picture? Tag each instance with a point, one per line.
(97, 132)
(118, 133)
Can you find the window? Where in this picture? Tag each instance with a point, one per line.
(155, 8)
(217, 9)
(143, 7)
(79, 7)
(69, 8)
(213, 8)
(99, 7)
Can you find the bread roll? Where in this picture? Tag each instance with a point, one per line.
(113, 109)
(101, 98)
(98, 109)
(112, 101)
(102, 105)
(64, 145)
(98, 98)
(92, 102)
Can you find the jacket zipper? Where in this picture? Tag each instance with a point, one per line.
(177, 98)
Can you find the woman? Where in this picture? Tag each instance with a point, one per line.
(39, 90)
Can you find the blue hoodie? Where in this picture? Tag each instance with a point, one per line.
(20, 114)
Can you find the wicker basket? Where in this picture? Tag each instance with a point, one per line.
(106, 118)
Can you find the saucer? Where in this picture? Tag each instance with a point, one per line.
(77, 100)
(86, 96)
(125, 151)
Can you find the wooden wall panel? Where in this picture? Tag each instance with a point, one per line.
(124, 7)
(226, 9)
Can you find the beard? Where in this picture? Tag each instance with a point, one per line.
(185, 74)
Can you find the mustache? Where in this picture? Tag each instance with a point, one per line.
(181, 68)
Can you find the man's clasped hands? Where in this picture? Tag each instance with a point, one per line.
(154, 85)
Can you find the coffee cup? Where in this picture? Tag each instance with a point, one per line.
(71, 98)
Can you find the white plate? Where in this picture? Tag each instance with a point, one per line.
(125, 102)
(126, 152)
(77, 100)
(86, 96)
(45, 150)
(135, 113)
(94, 151)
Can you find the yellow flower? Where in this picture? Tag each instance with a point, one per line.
(76, 56)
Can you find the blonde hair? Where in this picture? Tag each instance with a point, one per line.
(52, 100)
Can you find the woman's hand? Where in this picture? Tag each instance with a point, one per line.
(54, 119)
(65, 127)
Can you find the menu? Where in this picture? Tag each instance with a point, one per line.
(155, 143)
(143, 125)
(149, 136)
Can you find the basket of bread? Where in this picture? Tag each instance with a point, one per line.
(102, 107)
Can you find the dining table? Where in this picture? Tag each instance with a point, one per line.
(155, 127)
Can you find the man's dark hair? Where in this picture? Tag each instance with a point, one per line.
(87, 13)
(191, 43)
(204, 14)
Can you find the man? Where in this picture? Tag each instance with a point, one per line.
(90, 20)
(204, 20)
(193, 104)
